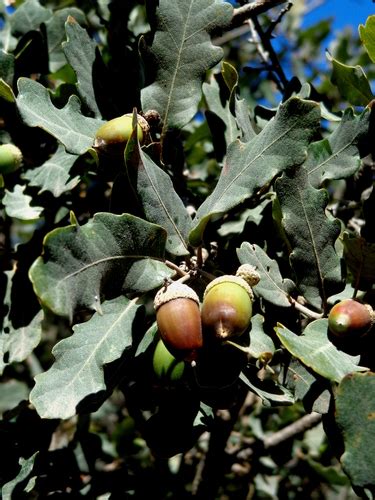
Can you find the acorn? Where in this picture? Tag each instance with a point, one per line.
(166, 366)
(10, 158)
(179, 321)
(350, 317)
(228, 302)
(111, 138)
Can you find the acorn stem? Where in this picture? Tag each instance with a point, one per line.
(304, 310)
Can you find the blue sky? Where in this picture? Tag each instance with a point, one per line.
(345, 13)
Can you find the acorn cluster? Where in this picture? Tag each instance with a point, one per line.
(185, 325)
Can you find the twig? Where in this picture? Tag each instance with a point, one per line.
(252, 10)
(305, 310)
(176, 268)
(303, 424)
(282, 80)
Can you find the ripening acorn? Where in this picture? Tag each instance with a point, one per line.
(166, 366)
(179, 321)
(10, 158)
(350, 317)
(228, 303)
(113, 135)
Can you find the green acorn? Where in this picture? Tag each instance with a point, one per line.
(10, 158)
(227, 303)
(112, 137)
(166, 366)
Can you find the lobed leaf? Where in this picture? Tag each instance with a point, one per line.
(183, 52)
(18, 204)
(367, 35)
(316, 351)
(16, 344)
(312, 236)
(337, 156)
(272, 286)
(26, 469)
(81, 51)
(28, 17)
(74, 130)
(54, 175)
(109, 255)
(78, 371)
(55, 29)
(160, 202)
(355, 415)
(260, 341)
(248, 167)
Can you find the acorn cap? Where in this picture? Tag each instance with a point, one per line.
(249, 274)
(173, 291)
(229, 278)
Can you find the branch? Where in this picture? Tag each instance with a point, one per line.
(252, 10)
(303, 424)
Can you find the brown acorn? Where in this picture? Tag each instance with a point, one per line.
(350, 318)
(227, 303)
(179, 321)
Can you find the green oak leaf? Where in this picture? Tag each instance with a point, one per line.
(28, 17)
(74, 130)
(337, 156)
(183, 52)
(53, 175)
(80, 359)
(352, 83)
(81, 51)
(249, 167)
(272, 286)
(26, 469)
(312, 236)
(18, 204)
(316, 351)
(109, 255)
(359, 256)
(55, 28)
(367, 35)
(355, 415)
(158, 198)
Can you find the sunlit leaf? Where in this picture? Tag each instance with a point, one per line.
(367, 34)
(18, 204)
(355, 415)
(68, 125)
(54, 174)
(29, 16)
(352, 83)
(312, 236)
(27, 465)
(80, 359)
(109, 255)
(248, 167)
(183, 52)
(316, 351)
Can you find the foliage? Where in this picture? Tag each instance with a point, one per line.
(259, 152)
